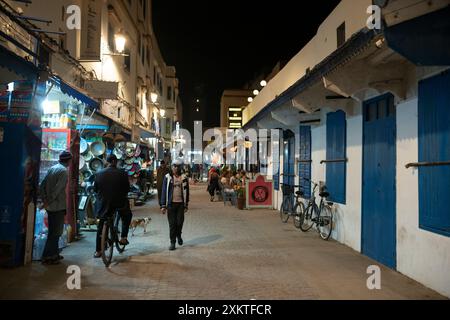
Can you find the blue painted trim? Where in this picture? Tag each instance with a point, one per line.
(433, 230)
(74, 93)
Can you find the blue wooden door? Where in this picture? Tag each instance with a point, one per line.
(379, 188)
(434, 146)
(304, 167)
(289, 160)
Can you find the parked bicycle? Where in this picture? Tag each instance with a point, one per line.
(111, 237)
(288, 207)
(321, 215)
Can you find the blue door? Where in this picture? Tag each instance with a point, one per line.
(304, 167)
(434, 149)
(289, 158)
(379, 188)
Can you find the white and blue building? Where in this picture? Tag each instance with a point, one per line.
(367, 112)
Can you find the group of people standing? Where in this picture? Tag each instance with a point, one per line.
(112, 187)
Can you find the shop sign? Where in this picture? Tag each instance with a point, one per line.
(101, 89)
(259, 193)
(91, 30)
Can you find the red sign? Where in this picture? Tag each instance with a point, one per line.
(259, 193)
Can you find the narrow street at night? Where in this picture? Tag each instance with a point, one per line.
(228, 254)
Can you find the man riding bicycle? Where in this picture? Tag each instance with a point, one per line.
(112, 187)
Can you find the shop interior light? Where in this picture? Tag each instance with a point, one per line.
(120, 41)
(255, 92)
(263, 83)
(154, 97)
(250, 99)
(51, 107)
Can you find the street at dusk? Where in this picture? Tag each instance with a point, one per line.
(196, 153)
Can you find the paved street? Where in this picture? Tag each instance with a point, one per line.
(228, 254)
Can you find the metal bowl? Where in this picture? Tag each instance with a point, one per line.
(82, 164)
(88, 156)
(86, 174)
(96, 164)
(83, 146)
(98, 148)
(118, 154)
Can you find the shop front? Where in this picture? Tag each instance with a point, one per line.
(61, 108)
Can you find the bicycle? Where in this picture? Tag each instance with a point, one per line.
(110, 238)
(321, 216)
(288, 208)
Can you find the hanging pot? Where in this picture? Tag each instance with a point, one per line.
(88, 156)
(98, 148)
(82, 164)
(83, 146)
(86, 174)
(96, 165)
(118, 154)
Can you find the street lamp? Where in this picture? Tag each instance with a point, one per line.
(154, 97)
(120, 41)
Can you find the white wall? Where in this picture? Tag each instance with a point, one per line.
(354, 13)
(421, 255)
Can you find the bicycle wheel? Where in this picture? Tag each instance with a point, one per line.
(284, 212)
(118, 230)
(299, 211)
(107, 244)
(325, 223)
(306, 222)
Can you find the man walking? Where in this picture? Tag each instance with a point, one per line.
(175, 200)
(53, 193)
(162, 171)
(112, 187)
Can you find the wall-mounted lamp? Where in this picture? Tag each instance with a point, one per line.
(120, 41)
(162, 112)
(154, 97)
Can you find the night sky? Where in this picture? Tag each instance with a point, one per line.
(218, 45)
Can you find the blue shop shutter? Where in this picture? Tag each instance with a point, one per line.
(434, 146)
(336, 150)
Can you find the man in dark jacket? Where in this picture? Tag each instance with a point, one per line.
(162, 171)
(175, 202)
(112, 187)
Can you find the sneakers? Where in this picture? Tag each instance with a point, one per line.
(212, 199)
(124, 242)
(172, 246)
(180, 241)
(97, 255)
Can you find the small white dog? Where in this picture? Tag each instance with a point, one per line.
(143, 223)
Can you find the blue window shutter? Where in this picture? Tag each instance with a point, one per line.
(434, 146)
(336, 172)
(304, 168)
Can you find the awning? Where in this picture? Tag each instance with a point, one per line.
(17, 65)
(146, 134)
(75, 93)
(351, 48)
